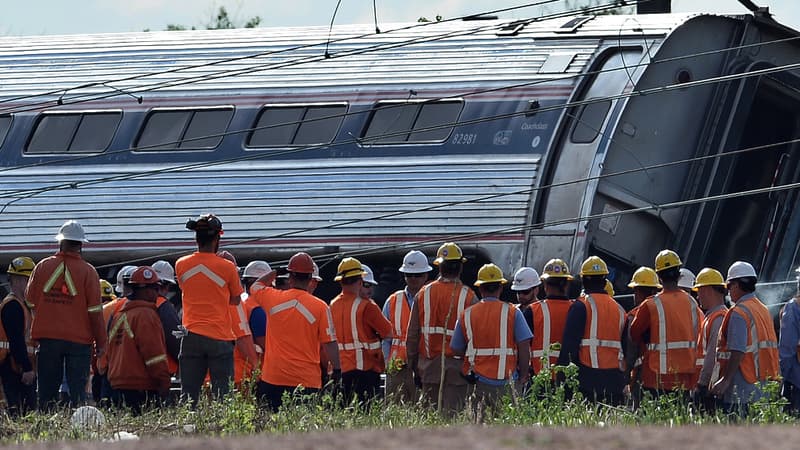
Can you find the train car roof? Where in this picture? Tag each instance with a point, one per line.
(177, 62)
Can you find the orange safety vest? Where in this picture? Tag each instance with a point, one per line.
(705, 335)
(399, 314)
(356, 343)
(549, 319)
(760, 361)
(434, 302)
(601, 346)
(674, 330)
(171, 363)
(491, 347)
(5, 344)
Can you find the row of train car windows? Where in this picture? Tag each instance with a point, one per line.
(390, 122)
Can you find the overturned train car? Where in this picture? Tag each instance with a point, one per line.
(521, 140)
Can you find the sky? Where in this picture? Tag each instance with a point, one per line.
(39, 17)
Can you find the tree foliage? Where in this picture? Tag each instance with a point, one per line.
(221, 20)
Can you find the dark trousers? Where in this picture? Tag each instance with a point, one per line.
(791, 393)
(362, 384)
(20, 398)
(271, 395)
(200, 355)
(58, 358)
(135, 400)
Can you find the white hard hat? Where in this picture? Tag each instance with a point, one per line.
(315, 274)
(164, 270)
(415, 262)
(525, 278)
(71, 231)
(368, 276)
(123, 273)
(686, 279)
(740, 269)
(256, 269)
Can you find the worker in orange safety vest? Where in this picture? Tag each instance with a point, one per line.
(711, 290)
(360, 328)
(747, 350)
(17, 349)
(644, 283)
(496, 341)
(433, 320)
(397, 309)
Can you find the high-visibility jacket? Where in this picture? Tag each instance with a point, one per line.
(360, 328)
(760, 361)
(241, 369)
(674, 329)
(549, 318)
(137, 353)
(5, 343)
(491, 347)
(705, 335)
(434, 302)
(399, 315)
(601, 346)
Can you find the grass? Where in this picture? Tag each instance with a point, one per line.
(239, 414)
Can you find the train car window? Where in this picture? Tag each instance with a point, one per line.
(5, 125)
(589, 122)
(206, 128)
(74, 132)
(194, 129)
(394, 122)
(291, 125)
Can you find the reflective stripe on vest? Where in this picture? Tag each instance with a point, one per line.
(61, 269)
(156, 359)
(593, 342)
(399, 304)
(293, 304)
(755, 344)
(357, 345)
(502, 351)
(201, 268)
(122, 321)
(427, 330)
(663, 346)
(546, 344)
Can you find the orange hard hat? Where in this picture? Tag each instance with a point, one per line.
(301, 263)
(144, 275)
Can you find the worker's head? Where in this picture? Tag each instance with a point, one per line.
(644, 283)
(668, 267)
(106, 291)
(144, 284)
(207, 231)
(710, 288)
(526, 284)
(19, 271)
(166, 274)
(556, 277)
(741, 280)
(350, 275)
(71, 236)
(490, 281)
(415, 270)
(123, 286)
(300, 271)
(368, 284)
(450, 260)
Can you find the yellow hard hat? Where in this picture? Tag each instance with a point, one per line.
(609, 288)
(709, 277)
(644, 277)
(21, 265)
(106, 290)
(667, 259)
(556, 268)
(449, 251)
(349, 267)
(490, 273)
(594, 266)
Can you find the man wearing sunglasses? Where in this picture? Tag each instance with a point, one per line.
(397, 309)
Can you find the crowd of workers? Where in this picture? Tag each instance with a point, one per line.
(436, 340)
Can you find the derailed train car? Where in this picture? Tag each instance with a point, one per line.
(521, 140)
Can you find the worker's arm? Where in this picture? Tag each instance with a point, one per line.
(523, 336)
(412, 340)
(573, 334)
(736, 339)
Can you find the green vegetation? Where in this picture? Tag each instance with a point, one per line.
(239, 415)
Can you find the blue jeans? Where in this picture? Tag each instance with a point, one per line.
(58, 359)
(200, 355)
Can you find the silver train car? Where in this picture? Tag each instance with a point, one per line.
(521, 140)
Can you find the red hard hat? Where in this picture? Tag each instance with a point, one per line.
(301, 263)
(144, 275)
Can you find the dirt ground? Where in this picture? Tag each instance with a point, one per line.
(477, 437)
